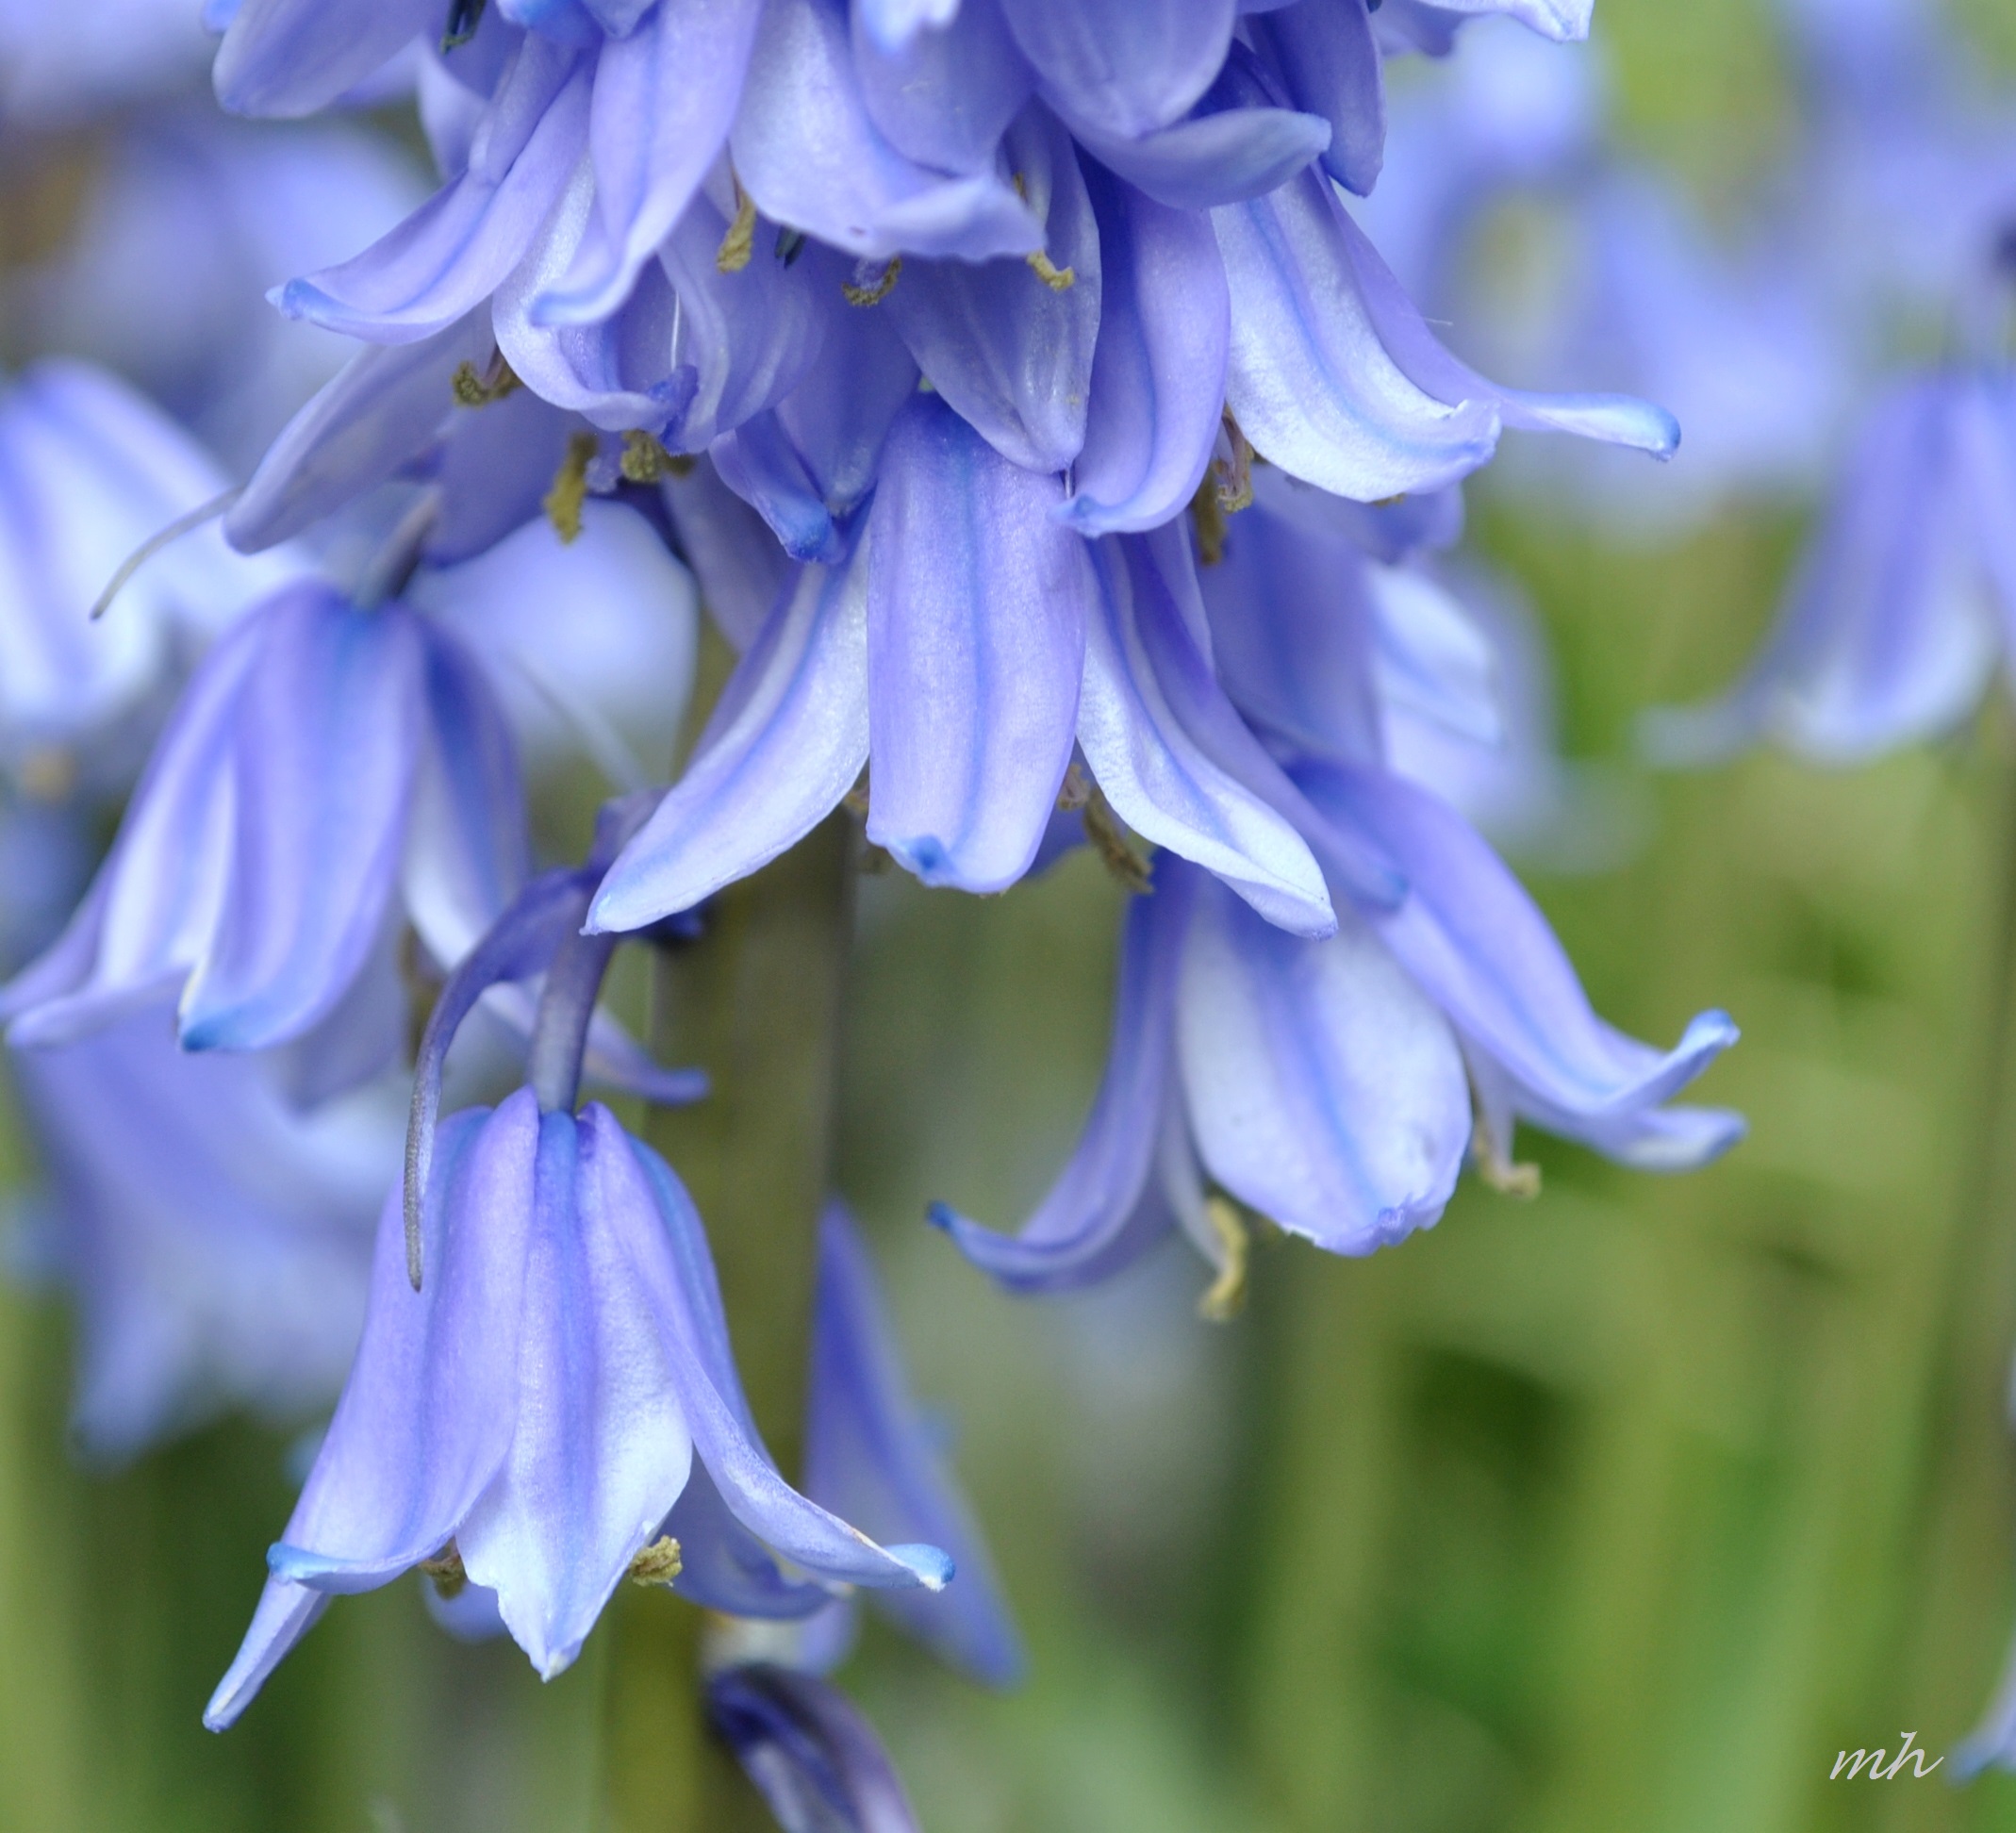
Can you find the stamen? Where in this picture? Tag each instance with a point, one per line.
(1495, 1166)
(658, 1564)
(1208, 512)
(1226, 1296)
(877, 290)
(790, 245)
(475, 387)
(645, 461)
(740, 243)
(1114, 847)
(1057, 279)
(1076, 790)
(464, 16)
(1235, 478)
(450, 1576)
(569, 491)
(154, 543)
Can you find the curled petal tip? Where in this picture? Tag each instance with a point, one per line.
(942, 1217)
(933, 1567)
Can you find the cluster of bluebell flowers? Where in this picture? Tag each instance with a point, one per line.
(1015, 386)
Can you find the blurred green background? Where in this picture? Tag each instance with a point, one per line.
(1625, 1507)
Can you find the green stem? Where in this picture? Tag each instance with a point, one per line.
(757, 1002)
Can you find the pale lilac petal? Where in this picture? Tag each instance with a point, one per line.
(1167, 748)
(893, 23)
(760, 465)
(945, 96)
(839, 414)
(664, 99)
(381, 410)
(870, 1457)
(1100, 1215)
(1011, 352)
(294, 57)
(432, 1403)
(1124, 67)
(1158, 374)
(325, 742)
(724, 1567)
(601, 1453)
(975, 631)
(725, 1439)
(787, 742)
(1325, 1090)
(1309, 377)
(456, 249)
(808, 153)
(1389, 531)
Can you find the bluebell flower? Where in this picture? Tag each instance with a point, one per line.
(88, 470)
(1337, 1084)
(1903, 601)
(872, 1458)
(544, 1399)
(215, 1239)
(331, 774)
(814, 1759)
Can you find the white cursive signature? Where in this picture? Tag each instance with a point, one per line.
(1874, 1760)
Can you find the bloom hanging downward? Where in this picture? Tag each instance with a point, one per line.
(555, 1406)
(814, 1760)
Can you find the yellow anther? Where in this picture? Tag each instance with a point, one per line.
(1057, 279)
(645, 461)
(1114, 847)
(877, 290)
(1208, 512)
(732, 256)
(658, 1564)
(447, 1571)
(569, 491)
(476, 388)
(1235, 477)
(1226, 1296)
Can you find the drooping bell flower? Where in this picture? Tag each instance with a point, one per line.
(216, 1240)
(814, 1759)
(332, 773)
(873, 1458)
(1905, 600)
(545, 1399)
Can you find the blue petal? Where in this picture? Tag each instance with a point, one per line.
(1476, 943)
(455, 251)
(1101, 1215)
(724, 1567)
(1310, 377)
(1329, 65)
(294, 57)
(741, 569)
(381, 411)
(286, 1612)
(806, 151)
(870, 1457)
(945, 96)
(1158, 374)
(976, 623)
(1323, 1089)
(1389, 531)
(600, 1453)
(813, 1758)
(1222, 157)
(664, 100)
(432, 1403)
(1011, 352)
(1167, 747)
(681, 1273)
(324, 751)
(786, 743)
(1123, 67)
(152, 908)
